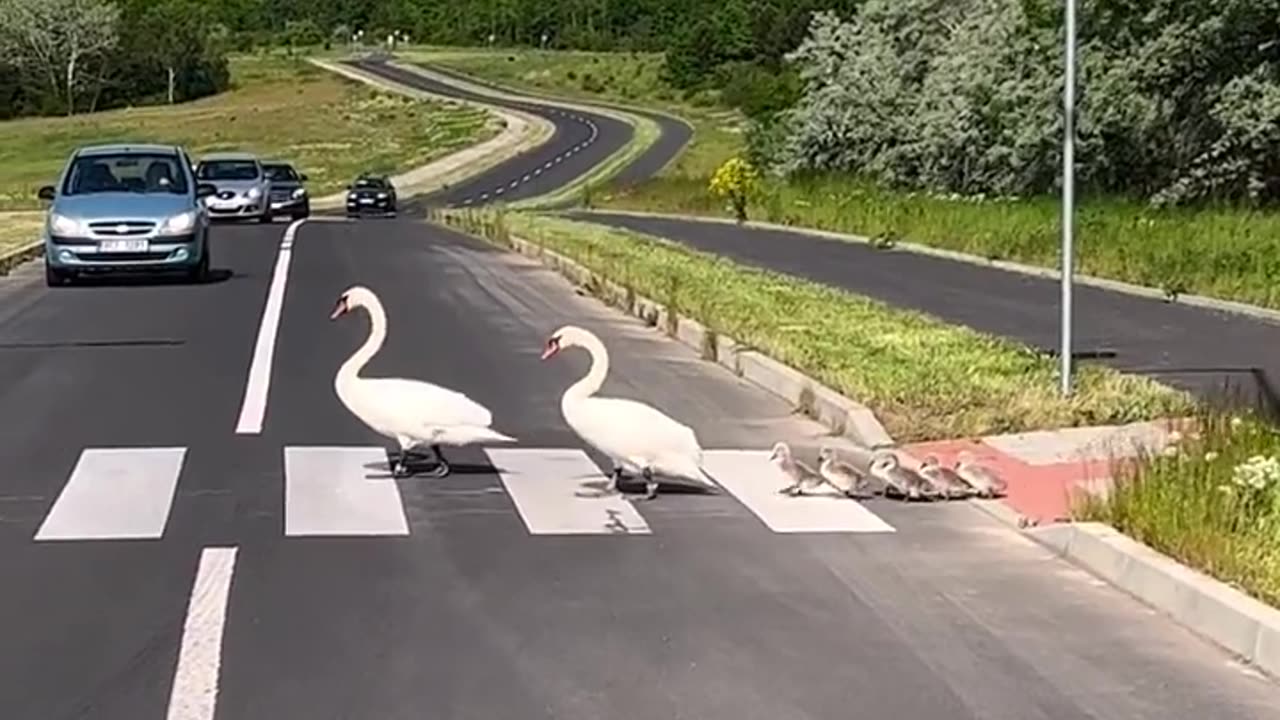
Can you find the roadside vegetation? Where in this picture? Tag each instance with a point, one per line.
(1211, 500)
(923, 378)
(968, 158)
(18, 229)
(332, 128)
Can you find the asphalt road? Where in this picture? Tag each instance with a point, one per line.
(193, 527)
(581, 141)
(704, 612)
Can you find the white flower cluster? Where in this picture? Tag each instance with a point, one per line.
(1257, 473)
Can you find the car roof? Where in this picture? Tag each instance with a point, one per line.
(118, 148)
(237, 156)
(276, 163)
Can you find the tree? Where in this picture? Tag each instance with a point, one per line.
(57, 38)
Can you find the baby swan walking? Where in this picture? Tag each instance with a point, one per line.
(803, 478)
(411, 412)
(630, 433)
(841, 475)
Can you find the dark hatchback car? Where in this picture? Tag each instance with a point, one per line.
(371, 194)
(288, 192)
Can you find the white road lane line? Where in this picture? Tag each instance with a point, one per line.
(195, 683)
(254, 408)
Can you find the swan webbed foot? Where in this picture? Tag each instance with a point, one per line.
(439, 470)
(400, 469)
(650, 485)
(614, 478)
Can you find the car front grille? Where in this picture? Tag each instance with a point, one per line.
(124, 228)
(122, 257)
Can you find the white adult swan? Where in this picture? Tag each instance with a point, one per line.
(631, 433)
(411, 412)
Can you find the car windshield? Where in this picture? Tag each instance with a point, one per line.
(126, 172)
(280, 172)
(373, 183)
(228, 170)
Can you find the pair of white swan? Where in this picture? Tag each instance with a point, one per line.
(633, 435)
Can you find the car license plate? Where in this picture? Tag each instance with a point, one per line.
(110, 246)
(366, 201)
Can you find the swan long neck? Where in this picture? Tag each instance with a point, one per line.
(590, 383)
(350, 369)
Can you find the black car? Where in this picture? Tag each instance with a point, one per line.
(371, 193)
(288, 194)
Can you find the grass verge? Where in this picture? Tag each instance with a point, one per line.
(331, 127)
(1212, 501)
(924, 379)
(18, 229)
(1226, 253)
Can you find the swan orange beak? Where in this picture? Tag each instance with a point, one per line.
(553, 347)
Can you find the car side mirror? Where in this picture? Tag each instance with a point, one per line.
(205, 190)
(46, 193)
(303, 177)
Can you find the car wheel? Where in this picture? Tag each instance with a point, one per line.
(266, 217)
(200, 273)
(54, 278)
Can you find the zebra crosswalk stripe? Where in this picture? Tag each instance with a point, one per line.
(550, 491)
(755, 481)
(116, 494)
(340, 491)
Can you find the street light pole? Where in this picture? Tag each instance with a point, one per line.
(1068, 195)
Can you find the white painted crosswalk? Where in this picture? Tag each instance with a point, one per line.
(335, 491)
(116, 494)
(128, 493)
(547, 488)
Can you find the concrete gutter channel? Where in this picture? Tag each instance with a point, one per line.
(1214, 610)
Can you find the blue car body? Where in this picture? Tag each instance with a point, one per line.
(126, 208)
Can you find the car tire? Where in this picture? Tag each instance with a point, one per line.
(266, 217)
(55, 278)
(200, 273)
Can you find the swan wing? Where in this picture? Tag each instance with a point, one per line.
(424, 403)
(638, 435)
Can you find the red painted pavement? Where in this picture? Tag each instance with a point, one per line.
(1040, 493)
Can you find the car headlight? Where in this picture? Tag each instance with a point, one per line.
(254, 193)
(179, 224)
(67, 227)
(299, 192)
(382, 196)
(351, 196)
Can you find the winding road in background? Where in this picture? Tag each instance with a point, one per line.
(192, 527)
(1208, 352)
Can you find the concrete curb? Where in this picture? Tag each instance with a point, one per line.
(1242, 625)
(521, 132)
(1200, 301)
(18, 256)
(644, 132)
(844, 416)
